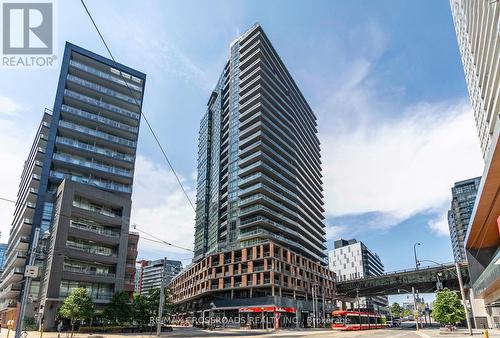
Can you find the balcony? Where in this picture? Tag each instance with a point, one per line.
(11, 291)
(109, 185)
(8, 303)
(92, 165)
(89, 271)
(14, 276)
(102, 90)
(94, 149)
(97, 230)
(98, 134)
(98, 118)
(93, 249)
(104, 75)
(100, 104)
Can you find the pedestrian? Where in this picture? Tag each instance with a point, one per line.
(59, 328)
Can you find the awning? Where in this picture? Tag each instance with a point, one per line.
(266, 309)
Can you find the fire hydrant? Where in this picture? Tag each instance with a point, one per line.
(486, 334)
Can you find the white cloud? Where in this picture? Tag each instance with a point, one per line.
(387, 158)
(334, 232)
(160, 208)
(9, 106)
(15, 147)
(439, 225)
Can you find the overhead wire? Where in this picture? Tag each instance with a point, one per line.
(141, 111)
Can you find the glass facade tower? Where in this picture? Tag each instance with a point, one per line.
(259, 167)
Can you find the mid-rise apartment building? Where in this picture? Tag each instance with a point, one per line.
(351, 259)
(151, 273)
(463, 198)
(259, 188)
(76, 190)
(477, 27)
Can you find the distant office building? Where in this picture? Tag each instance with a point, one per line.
(463, 199)
(76, 188)
(351, 259)
(3, 249)
(151, 273)
(476, 24)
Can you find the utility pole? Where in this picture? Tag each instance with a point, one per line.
(462, 292)
(323, 301)
(314, 307)
(415, 306)
(162, 299)
(27, 285)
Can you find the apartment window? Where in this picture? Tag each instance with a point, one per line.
(95, 290)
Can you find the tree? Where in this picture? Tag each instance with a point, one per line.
(142, 309)
(396, 310)
(154, 299)
(119, 309)
(447, 308)
(77, 306)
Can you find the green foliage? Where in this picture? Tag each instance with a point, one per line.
(142, 309)
(146, 306)
(406, 312)
(396, 310)
(447, 308)
(119, 310)
(154, 300)
(77, 306)
(29, 324)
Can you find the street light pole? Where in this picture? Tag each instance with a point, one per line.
(415, 254)
(462, 292)
(162, 298)
(415, 306)
(27, 285)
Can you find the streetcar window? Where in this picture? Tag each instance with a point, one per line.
(352, 319)
(338, 319)
(364, 320)
(373, 320)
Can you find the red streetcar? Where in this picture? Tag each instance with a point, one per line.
(355, 320)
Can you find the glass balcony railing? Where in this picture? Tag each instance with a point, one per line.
(260, 207)
(97, 133)
(95, 149)
(92, 165)
(100, 104)
(98, 118)
(88, 271)
(489, 276)
(104, 75)
(262, 175)
(266, 188)
(102, 90)
(125, 188)
(94, 229)
(93, 249)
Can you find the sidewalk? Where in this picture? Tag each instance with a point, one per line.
(435, 332)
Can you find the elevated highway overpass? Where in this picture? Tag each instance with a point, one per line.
(424, 280)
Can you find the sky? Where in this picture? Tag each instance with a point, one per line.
(384, 79)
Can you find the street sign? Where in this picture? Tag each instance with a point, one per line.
(31, 271)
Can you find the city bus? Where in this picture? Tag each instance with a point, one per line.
(355, 320)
